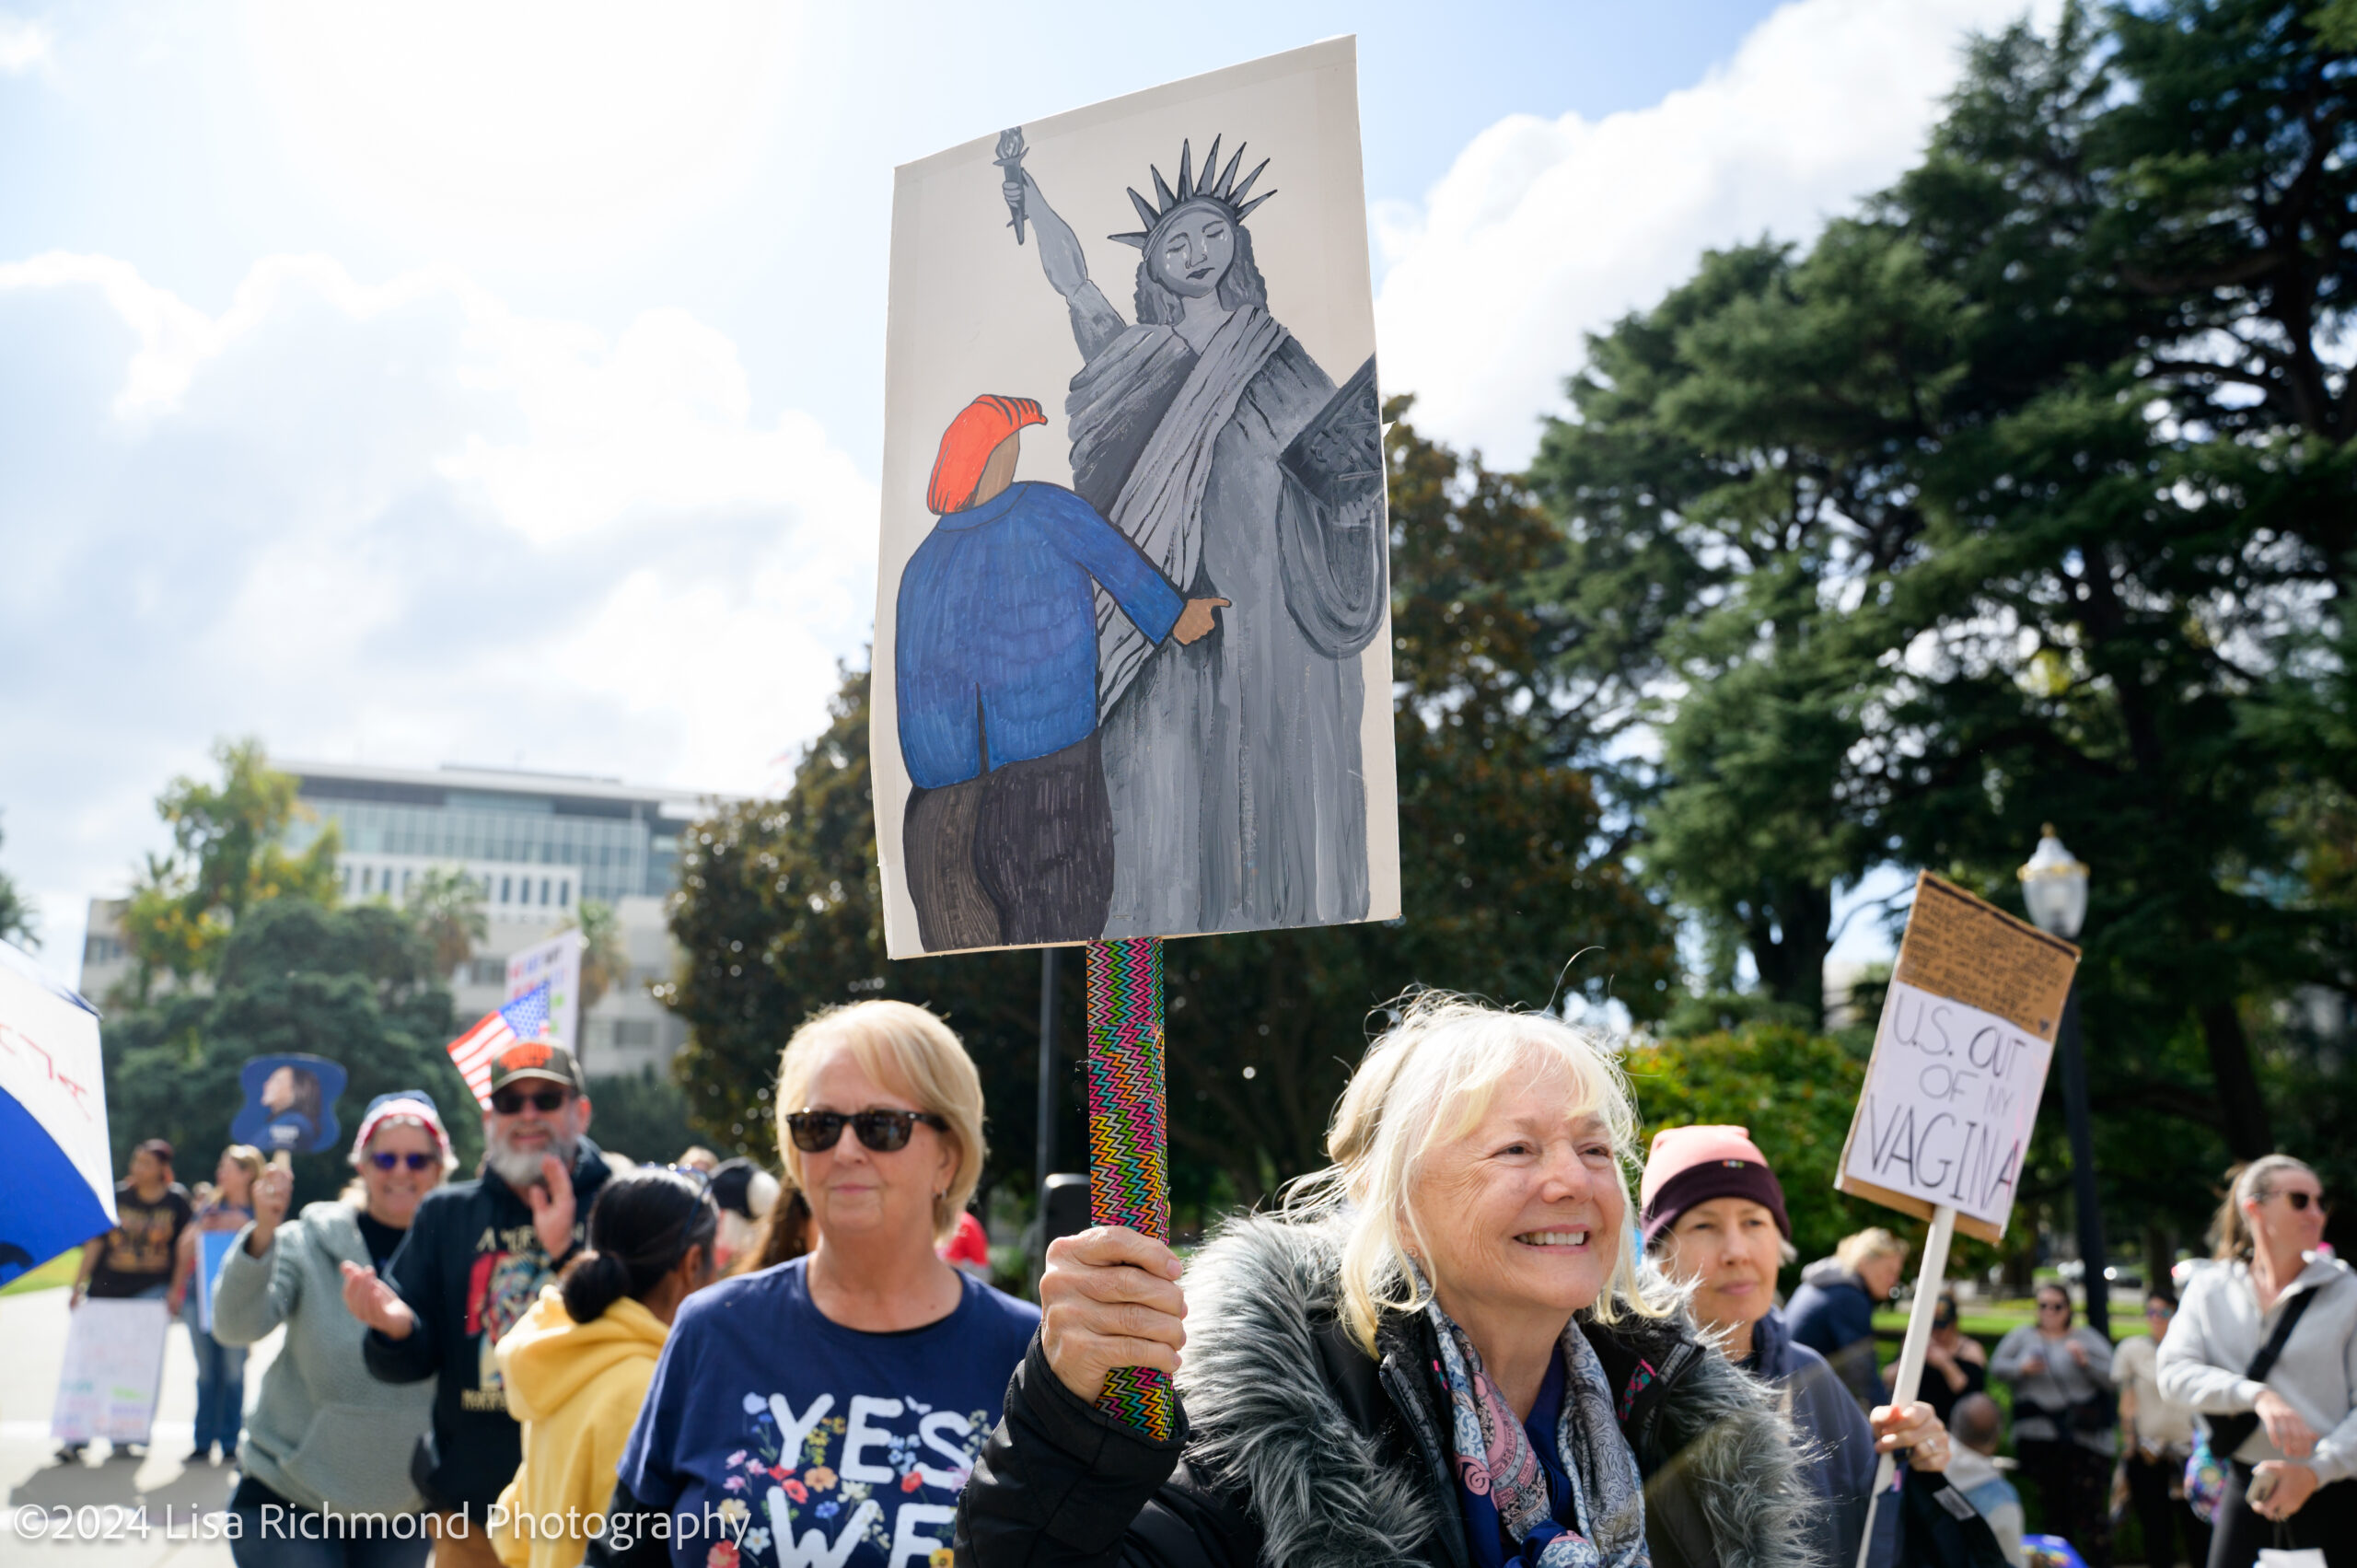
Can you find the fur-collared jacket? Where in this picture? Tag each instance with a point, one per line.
(1298, 1450)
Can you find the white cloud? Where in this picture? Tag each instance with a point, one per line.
(24, 46)
(397, 521)
(1545, 229)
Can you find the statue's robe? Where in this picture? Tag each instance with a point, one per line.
(1233, 765)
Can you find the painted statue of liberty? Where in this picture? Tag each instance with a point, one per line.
(1210, 436)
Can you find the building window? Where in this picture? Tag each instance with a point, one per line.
(506, 887)
(487, 972)
(565, 895)
(544, 890)
(633, 1032)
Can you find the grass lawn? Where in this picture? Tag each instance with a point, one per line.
(1992, 1320)
(58, 1271)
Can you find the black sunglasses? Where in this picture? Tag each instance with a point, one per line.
(815, 1132)
(2300, 1200)
(511, 1102)
(413, 1160)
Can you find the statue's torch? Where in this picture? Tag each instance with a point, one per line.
(1010, 159)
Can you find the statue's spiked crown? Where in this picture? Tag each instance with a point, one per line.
(1218, 187)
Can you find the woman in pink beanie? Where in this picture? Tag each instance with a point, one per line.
(1713, 1213)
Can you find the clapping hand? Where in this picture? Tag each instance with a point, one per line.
(374, 1302)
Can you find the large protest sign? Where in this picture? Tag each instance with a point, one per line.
(114, 1364)
(57, 1183)
(1132, 650)
(1959, 1062)
(555, 963)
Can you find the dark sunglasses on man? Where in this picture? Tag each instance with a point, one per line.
(882, 1132)
(511, 1102)
(413, 1159)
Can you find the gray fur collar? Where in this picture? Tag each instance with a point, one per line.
(1268, 1423)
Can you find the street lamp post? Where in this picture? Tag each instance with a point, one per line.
(2054, 886)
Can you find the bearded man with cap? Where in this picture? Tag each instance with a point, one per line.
(1008, 834)
(477, 1257)
(1714, 1217)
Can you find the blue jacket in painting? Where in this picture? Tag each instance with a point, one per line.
(995, 653)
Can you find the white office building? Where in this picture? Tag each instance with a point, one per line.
(535, 843)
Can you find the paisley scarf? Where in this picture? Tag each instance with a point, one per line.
(1500, 1482)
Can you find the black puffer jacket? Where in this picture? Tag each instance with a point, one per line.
(1302, 1451)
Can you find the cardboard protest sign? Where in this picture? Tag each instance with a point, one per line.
(1959, 1060)
(114, 1364)
(557, 964)
(1133, 649)
(290, 1104)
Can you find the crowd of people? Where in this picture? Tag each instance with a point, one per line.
(1463, 1342)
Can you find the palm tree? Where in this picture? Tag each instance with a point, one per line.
(446, 906)
(605, 962)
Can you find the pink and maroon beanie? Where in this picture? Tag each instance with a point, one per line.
(1693, 1164)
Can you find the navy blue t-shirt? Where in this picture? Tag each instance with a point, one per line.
(794, 1440)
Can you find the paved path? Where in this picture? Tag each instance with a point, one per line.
(174, 1497)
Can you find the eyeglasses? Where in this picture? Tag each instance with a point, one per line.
(2299, 1201)
(2160, 1309)
(511, 1102)
(2054, 1306)
(413, 1160)
(815, 1132)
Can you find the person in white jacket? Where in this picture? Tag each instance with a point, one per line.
(2294, 1481)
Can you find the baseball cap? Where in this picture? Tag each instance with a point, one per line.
(537, 1058)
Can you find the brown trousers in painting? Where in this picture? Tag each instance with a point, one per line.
(1020, 854)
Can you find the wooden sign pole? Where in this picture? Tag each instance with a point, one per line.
(1128, 1133)
(1910, 1355)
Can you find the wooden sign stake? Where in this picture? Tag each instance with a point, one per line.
(1910, 1355)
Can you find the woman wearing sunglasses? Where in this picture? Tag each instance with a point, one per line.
(326, 1436)
(2064, 1420)
(828, 1409)
(2291, 1479)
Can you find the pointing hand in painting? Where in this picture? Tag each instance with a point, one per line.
(1197, 620)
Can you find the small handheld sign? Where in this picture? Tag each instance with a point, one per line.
(1942, 1123)
(290, 1104)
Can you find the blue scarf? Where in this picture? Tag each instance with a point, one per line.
(1501, 1487)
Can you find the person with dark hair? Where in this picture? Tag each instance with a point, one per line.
(785, 1234)
(746, 1194)
(577, 1367)
(2160, 1436)
(1980, 1428)
(2063, 1418)
(2265, 1348)
(138, 1259)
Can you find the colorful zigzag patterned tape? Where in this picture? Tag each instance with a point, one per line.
(1128, 1133)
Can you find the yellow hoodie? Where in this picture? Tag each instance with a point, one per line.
(576, 1387)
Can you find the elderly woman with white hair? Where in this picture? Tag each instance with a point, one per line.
(826, 1409)
(1441, 1352)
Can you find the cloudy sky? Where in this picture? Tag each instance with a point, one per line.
(501, 383)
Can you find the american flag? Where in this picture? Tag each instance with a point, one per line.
(524, 1018)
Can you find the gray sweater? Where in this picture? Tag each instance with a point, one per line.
(325, 1436)
(2217, 1331)
(2061, 1384)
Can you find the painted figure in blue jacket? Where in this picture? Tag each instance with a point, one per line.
(1008, 836)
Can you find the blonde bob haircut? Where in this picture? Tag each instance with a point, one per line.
(911, 1053)
(1425, 1084)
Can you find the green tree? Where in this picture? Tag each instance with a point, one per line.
(1507, 875)
(227, 855)
(1793, 1090)
(446, 905)
(19, 917)
(357, 985)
